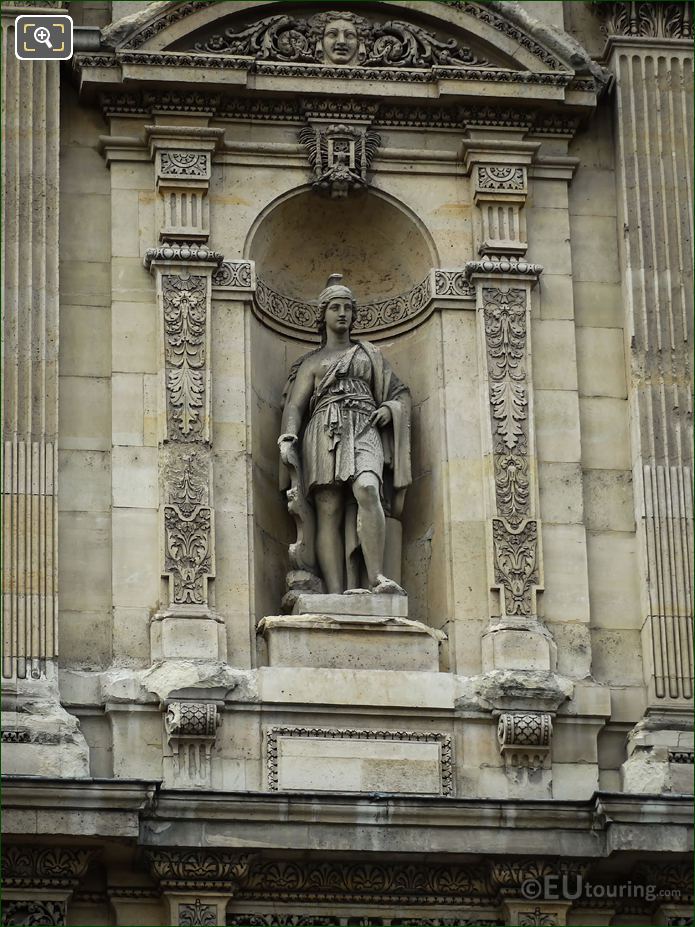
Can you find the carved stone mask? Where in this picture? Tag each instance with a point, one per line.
(340, 42)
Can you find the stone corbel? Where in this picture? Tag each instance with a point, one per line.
(524, 739)
(183, 168)
(499, 170)
(191, 729)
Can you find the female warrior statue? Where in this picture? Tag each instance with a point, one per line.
(346, 445)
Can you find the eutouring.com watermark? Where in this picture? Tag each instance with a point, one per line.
(571, 887)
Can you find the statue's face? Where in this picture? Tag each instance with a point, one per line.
(340, 41)
(339, 315)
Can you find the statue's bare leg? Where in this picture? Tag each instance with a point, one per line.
(371, 530)
(329, 541)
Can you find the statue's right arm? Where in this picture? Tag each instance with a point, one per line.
(299, 399)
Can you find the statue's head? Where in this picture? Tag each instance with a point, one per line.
(340, 37)
(335, 294)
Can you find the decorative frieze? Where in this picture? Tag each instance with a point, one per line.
(28, 866)
(524, 739)
(235, 275)
(340, 156)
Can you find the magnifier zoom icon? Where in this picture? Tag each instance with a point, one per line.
(41, 34)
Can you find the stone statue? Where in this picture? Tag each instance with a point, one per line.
(345, 454)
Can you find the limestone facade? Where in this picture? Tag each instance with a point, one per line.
(507, 189)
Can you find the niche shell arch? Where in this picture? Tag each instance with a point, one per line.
(383, 250)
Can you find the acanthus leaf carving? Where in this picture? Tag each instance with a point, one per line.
(197, 914)
(34, 913)
(182, 869)
(504, 318)
(184, 164)
(185, 317)
(646, 20)
(188, 552)
(516, 564)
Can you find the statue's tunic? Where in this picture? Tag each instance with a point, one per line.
(339, 443)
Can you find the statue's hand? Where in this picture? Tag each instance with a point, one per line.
(381, 418)
(287, 444)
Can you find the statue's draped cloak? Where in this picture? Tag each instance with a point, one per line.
(387, 391)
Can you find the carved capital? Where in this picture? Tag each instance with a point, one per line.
(646, 20)
(199, 870)
(524, 739)
(43, 867)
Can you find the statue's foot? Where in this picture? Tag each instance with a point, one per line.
(385, 586)
(357, 591)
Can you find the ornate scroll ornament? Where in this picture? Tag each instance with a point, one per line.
(235, 275)
(391, 44)
(524, 739)
(444, 741)
(516, 564)
(33, 912)
(185, 314)
(188, 552)
(184, 164)
(340, 156)
(198, 869)
(501, 179)
(186, 480)
(197, 914)
(43, 867)
(646, 20)
(452, 283)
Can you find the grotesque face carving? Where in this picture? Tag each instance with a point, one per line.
(340, 41)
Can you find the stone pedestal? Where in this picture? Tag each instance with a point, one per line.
(351, 632)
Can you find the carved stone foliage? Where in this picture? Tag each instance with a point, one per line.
(186, 478)
(184, 164)
(444, 741)
(516, 564)
(185, 316)
(198, 869)
(504, 318)
(340, 38)
(197, 914)
(188, 552)
(524, 738)
(652, 20)
(363, 882)
(43, 867)
(340, 156)
(504, 179)
(509, 875)
(33, 912)
(536, 918)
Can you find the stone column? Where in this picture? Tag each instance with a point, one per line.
(649, 51)
(30, 141)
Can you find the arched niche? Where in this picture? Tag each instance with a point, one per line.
(382, 249)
